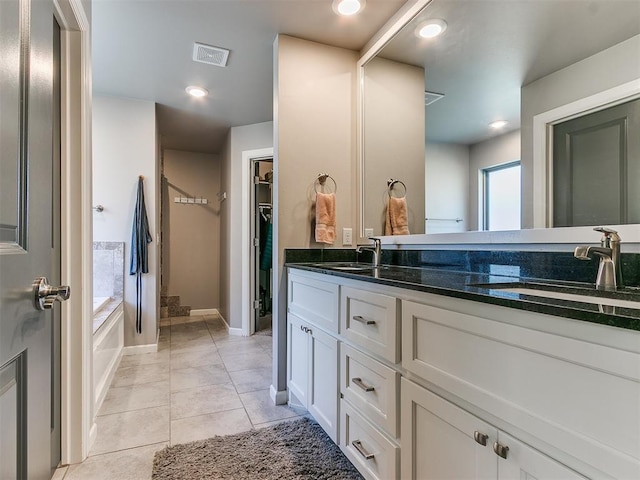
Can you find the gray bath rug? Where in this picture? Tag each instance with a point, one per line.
(294, 450)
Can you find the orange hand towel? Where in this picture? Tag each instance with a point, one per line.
(325, 218)
(396, 222)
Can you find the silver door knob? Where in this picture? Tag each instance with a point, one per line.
(44, 295)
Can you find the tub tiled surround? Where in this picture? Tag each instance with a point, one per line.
(561, 266)
(108, 278)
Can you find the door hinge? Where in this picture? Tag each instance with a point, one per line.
(256, 304)
(256, 180)
(256, 242)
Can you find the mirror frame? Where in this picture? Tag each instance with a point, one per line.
(543, 124)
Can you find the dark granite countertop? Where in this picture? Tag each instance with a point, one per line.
(488, 288)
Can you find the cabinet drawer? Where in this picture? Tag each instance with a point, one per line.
(313, 300)
(371, 320)
(375, 456)
(371, 387)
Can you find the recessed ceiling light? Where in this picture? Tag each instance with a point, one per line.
(348, 7)
(197, 91)
(431, 28)
(498, 124)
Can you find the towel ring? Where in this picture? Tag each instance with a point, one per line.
(391, 183)
(321, 181)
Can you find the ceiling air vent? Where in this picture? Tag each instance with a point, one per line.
(431, 97)
(210, 55)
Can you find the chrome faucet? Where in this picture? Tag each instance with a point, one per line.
(376, 248)
(609, 271)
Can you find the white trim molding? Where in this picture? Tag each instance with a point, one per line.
(278, 397)
(78, 424)
(204, 311)
(245, 262)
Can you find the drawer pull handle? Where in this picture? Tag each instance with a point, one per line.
(358, 381)
(361, 319)
(305, 329)
(357, 444)
(501, 450)
(481, 438)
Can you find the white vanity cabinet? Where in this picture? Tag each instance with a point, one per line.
(430, 386)
(312, 353)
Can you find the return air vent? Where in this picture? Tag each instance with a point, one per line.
(431, 97)
(210, 55)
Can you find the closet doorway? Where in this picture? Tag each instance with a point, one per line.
(261, 253)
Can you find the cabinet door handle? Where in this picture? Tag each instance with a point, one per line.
(303, 328)
(501, 450)
(361, 319)
(358, 381)
(357, 444)
(481, 438)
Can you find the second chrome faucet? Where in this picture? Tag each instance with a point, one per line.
(376, 248)
(609, 270)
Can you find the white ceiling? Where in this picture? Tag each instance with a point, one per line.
(142, 49)
(492, 48)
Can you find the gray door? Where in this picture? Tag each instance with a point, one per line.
(596, 168)
(28, 241)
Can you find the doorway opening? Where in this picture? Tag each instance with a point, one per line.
(261, 253)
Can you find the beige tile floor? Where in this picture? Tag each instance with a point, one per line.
(202, 382)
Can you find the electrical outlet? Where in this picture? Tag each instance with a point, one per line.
(368, 232)
(347, 236)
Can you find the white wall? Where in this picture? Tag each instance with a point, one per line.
(191, 232)
(239, 139)
(315, 131)
(124, 147)
(446, 187)
(607, 69)
(496, 151)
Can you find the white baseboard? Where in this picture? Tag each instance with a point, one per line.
(232, 331)
(205, 311)
(93, 433)
(278, 397)
(138, 349)
(239, 332)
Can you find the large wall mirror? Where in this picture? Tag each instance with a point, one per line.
(561, 78)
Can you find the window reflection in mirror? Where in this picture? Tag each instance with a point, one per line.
(501, 197)
(496, 60)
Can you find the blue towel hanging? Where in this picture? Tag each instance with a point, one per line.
(140, 237)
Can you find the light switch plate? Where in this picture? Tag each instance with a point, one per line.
(368, 232)
(347, 236)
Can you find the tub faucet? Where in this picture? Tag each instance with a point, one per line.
(609, 271)
(375, 248)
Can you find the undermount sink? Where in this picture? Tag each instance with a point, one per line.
(348, 267)
(571, 294)
(613, 302)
